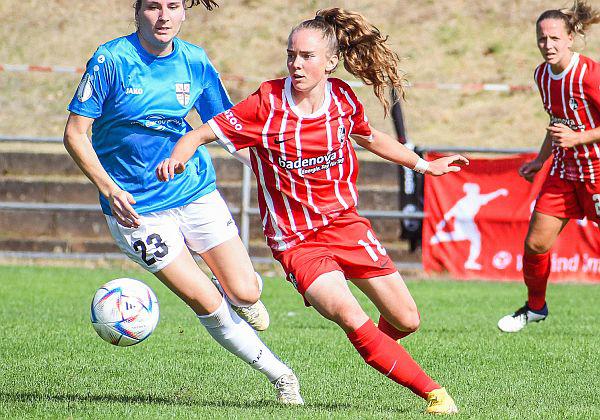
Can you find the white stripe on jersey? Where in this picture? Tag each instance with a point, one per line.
(592, 124)
(286, 202)
(576, 112)
(309, 224)
(341, 167)
(548, 89)
(261, 178)
(564, 105)
(336, 185)
(351, 171)
(222, 139)
(542, 82)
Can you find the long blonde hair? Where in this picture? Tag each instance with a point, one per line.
(362, 49)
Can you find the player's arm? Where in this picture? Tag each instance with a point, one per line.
(529, 169)
(390, 149)
(563, 136)
(80, 148)
(183, 151)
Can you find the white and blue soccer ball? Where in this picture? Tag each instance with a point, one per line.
(124, 312)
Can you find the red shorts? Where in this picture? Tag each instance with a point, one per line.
(569, 199)
(347, 244)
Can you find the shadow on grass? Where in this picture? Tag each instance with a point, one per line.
(32, 397)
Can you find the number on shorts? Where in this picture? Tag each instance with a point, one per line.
(161, 248)
(596, 198)
(369, 246)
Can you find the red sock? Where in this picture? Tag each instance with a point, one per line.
(389, 358)
(391, 331)
(536, 270)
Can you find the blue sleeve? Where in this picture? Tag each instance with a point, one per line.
(214, 98)
(95, 85)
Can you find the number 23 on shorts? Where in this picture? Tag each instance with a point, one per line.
(160, 248)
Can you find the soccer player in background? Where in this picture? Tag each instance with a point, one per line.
(569, 84)
(299, 131)
(135, 94)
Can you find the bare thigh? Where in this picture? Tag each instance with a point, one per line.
(186, 280)
(231, 264)
(393, 300)
(542, 233)
(330, 295)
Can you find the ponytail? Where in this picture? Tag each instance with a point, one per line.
(362, 49)
(577, 19)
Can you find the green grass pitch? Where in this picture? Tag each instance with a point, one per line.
(53, 365)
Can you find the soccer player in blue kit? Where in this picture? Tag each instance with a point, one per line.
(135, 95)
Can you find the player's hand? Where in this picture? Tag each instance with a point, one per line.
(446, 164)
(167, 169)
(529, 169)
(563, 136)
(120, 203)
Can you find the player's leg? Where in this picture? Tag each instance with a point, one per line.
(399, 314)
(184, 278)
(556, 204)
(158, 246)
(210, 231)
(230, 263)
(332, 298)
(543, 232)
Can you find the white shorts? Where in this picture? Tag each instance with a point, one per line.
(201, 225)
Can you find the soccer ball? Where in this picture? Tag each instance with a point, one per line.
(124, 312)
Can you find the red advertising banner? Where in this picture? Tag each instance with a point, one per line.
(477, 220)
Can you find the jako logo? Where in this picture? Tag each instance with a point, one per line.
(233, 121)
(134, 91)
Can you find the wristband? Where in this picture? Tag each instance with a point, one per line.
(421, 166)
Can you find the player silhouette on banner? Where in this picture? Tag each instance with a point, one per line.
(465, 228)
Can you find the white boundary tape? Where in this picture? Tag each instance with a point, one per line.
(467, 87)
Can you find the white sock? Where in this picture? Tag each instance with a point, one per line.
(233, 333)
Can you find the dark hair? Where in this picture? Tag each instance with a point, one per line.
(209, 4)
(577, 19)
(361, 47)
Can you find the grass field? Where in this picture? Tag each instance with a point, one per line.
(54, 365)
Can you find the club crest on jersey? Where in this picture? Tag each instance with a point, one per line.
(182, 91)
(341, 134)
(573, 104)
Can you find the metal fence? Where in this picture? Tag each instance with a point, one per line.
(244, 212)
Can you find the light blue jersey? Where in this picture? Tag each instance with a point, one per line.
(139, 102)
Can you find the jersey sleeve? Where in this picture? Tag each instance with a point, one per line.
(240, 126)
(95, 85)
(214, 98)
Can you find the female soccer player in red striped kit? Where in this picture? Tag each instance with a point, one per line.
(299, 131)
(569, 84)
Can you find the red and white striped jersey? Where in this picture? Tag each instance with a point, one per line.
(573, 99)
(305, 165)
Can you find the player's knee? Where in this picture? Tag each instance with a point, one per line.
(410, 320)
(536, 246)
(247, 293)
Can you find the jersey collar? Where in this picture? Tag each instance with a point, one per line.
(572, 63)
(296, 110)
(146, 55)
